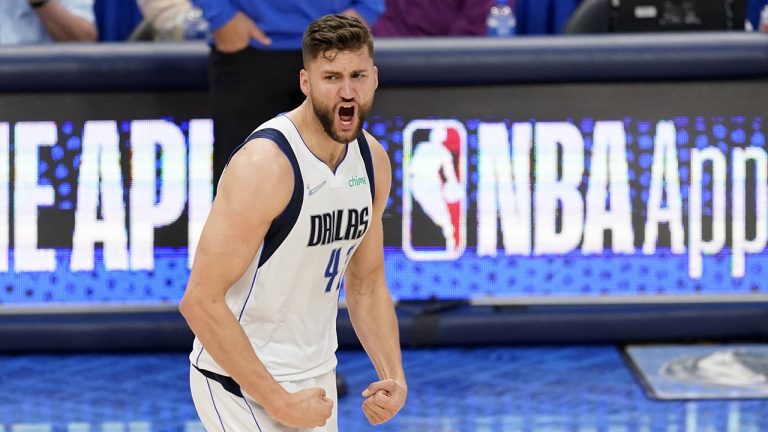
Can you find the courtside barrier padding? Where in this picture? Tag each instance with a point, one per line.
(408, 62)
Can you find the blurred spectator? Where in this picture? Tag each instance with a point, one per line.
(433, 18)
(170, 20)
(538, 17)
(41, 21)
(256, 58)
(754, 12)
(163, 19)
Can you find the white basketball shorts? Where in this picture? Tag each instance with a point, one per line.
(221, 410)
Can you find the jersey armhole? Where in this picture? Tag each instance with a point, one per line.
(365, 152)
(283, 224)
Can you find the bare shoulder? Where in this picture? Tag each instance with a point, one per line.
(258, 174)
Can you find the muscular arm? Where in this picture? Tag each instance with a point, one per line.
(63, 25)
(370, 305)
(252, 192)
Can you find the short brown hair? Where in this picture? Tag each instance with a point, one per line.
(330, 34)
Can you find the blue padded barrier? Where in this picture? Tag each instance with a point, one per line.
(422, 324)
(103, 67)
(405, 62)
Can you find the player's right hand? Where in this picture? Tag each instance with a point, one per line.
(236, 34)
(304, 409)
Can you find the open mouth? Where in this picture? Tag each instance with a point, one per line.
(346, 114)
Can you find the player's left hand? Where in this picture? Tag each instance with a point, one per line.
(383, 399)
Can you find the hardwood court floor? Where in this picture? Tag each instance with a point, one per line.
(527, 389)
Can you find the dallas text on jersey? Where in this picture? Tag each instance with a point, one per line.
(327, 227)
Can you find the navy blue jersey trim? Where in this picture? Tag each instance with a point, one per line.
(250, 290)
(226, 382)
(333, 171)
(365, 152)
(252, 414)
(215, 408)
(283, 224)
(197, 359)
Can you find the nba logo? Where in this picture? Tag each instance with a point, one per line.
(434, 189)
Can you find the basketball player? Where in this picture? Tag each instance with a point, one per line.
(299, 206)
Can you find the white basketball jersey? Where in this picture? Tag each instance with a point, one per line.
(287, 300)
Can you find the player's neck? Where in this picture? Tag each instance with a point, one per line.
(318, 141)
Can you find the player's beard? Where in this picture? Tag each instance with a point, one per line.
(327, 116)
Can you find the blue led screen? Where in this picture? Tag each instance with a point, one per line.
(589, 197)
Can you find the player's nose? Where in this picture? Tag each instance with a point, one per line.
(347, 92)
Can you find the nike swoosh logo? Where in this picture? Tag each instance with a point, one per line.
(311, 191)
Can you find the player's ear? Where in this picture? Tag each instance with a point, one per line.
(375, 77)
(304, 82)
